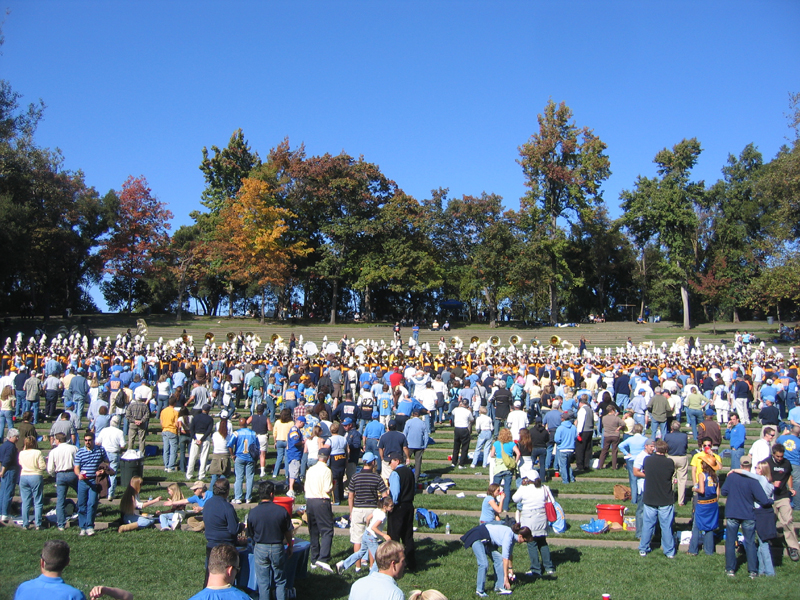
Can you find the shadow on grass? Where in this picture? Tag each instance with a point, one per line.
(565, 555)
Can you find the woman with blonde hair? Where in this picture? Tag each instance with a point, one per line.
(427, 595)
(131, 507)
(503, 449)
(8, 402)
(171, 520)
(33, 468)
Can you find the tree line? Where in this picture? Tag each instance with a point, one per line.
(336, 235)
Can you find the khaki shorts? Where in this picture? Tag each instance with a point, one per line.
(263, 441)
(358, 523)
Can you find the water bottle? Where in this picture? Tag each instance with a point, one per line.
(447, 529)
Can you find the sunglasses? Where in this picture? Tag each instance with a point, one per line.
(706, 445)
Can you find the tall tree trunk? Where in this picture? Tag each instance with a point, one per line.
(643, 272)
(179, 312)
(685, 301)
(736, 315)
(367, 311)
(334, 294)
(130, 295)
(492, 306)
(230, 300)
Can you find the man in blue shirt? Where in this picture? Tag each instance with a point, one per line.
(53, 560)
(223, 567)
(239, 445)
(736, 433)
(391, 562)
(417, 436)
(791, 443)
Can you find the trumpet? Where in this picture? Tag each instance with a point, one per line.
(514, 340)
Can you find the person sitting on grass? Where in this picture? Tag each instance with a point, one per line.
(130, 507)
(52, 562)
(492, 505)
(171, 520)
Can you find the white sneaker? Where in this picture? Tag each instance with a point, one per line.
(90, 531)
(324, 566)
(340, 567)
(83, 532)
(236, 502)
(290, 493)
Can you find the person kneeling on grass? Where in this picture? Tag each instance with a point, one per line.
(130, 506)
(489, 537)
(373, 536)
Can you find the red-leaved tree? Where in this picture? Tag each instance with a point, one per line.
(137, 238)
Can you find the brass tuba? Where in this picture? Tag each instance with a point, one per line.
(555, 341)
(210, 337)
(494, 340)
(474, 339)
(230, 336)
(514, 340)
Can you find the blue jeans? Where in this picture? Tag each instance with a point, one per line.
(694, 416)
(243, 469)
(504, 478)
(142, 522)
(21, 403)
(541, 455)
(482, 448)
(369, 547)
(30, 488)
(270, 560)
(7, 484)
(280, 456)
(161, 404)
(622, 401)
(564, 458)
(731, 533)
(765, 566)
(33, 406)
(79, 404)
(64, 482)
(539, 544)
(88, 499)
(6, 420)
(479, 550)
(170, 448)
(736, 455)
(550, 459)
(708, 541)
(660, 426)
(664, 515)
(632, 481)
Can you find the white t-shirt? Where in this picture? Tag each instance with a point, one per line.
(483, 423)
(111, 439)
(378, 516)
(760, 450)
(461, 417)
(517, 419)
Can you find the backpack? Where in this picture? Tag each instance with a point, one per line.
(427, 517)
(508, 461)
(254, 450)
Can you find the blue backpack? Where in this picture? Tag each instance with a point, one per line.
(427, 517)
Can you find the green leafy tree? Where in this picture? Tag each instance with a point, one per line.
(663, 208)
(564, 168)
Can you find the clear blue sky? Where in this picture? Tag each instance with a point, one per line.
(438, 94)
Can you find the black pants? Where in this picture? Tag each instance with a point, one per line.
(583, 451)
(400, 528)
(338, 468)
(460, 444)
(320, 528)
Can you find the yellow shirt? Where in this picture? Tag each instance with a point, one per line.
(281, 430)
(169, 420)
(319, 482)
(32, 462)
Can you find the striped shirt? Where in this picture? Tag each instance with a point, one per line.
(89, 460)
(367, 487)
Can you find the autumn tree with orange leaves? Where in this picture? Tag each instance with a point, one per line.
(251, 238)
(137, 238)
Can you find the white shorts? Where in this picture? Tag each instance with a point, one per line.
(358, 523)
(263, 441)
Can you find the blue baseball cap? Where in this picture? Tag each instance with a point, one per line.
(368, 457)
(347, 421)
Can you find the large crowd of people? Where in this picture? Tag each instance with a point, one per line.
(350, 421)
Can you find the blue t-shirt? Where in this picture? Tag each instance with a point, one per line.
(52, 588)
(487, 512)
(294, 449)
(229, 593)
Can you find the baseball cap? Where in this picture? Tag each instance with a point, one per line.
(395, 456)
(517, 404)
(746, 461)
(206, 407)
(198, 485)
(301, 419)
(368, 457)
(324, 452)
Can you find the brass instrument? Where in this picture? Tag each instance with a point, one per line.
(494, 340)
(555, 341)
(274, 337)
(474, 339)
(209, 336)
(230, 336)
(514, 340)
